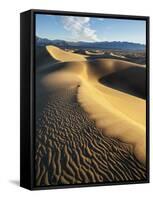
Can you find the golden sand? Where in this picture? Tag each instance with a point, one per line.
(64, 56)
(118, 114)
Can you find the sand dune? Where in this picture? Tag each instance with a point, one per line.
(120, 115)
(94, 53)
(125, 80)
(71, 150)
(118, 56)
(112, 114)
(86, 129)
(64, 56)
(43, 58)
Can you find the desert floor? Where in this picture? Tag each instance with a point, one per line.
(90, 118)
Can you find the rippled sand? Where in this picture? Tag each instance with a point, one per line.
(86, 132)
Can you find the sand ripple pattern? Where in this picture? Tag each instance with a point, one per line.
(70, 149)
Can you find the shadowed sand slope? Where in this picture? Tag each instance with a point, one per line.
(87, 131)
(131, 80)
(43, 58)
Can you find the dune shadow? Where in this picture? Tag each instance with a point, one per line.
(95, 57)
(131, 81)
(137, 60)
(43, 58)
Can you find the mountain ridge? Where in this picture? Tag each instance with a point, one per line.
(116, 45)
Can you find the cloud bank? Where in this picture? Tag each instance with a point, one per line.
(80, 28)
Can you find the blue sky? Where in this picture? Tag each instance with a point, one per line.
(71, 28)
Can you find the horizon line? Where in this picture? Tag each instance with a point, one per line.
(91, 41)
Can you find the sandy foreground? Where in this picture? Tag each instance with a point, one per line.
(87, 131)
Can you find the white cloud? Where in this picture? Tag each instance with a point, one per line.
(80, 28)
(100, 19)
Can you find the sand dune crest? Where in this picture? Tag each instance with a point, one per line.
(118, 114)
(64, 56)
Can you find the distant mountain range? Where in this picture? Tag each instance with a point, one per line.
(115, 45)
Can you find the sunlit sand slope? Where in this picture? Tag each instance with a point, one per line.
(87, 131)
(64, 56)
(93, 53)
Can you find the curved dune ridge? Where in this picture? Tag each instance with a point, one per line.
(93, 53)
(118, 114)
(118, 56)
(64, 56)
(87, 132)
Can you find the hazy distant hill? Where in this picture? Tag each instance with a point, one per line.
(94, 45)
